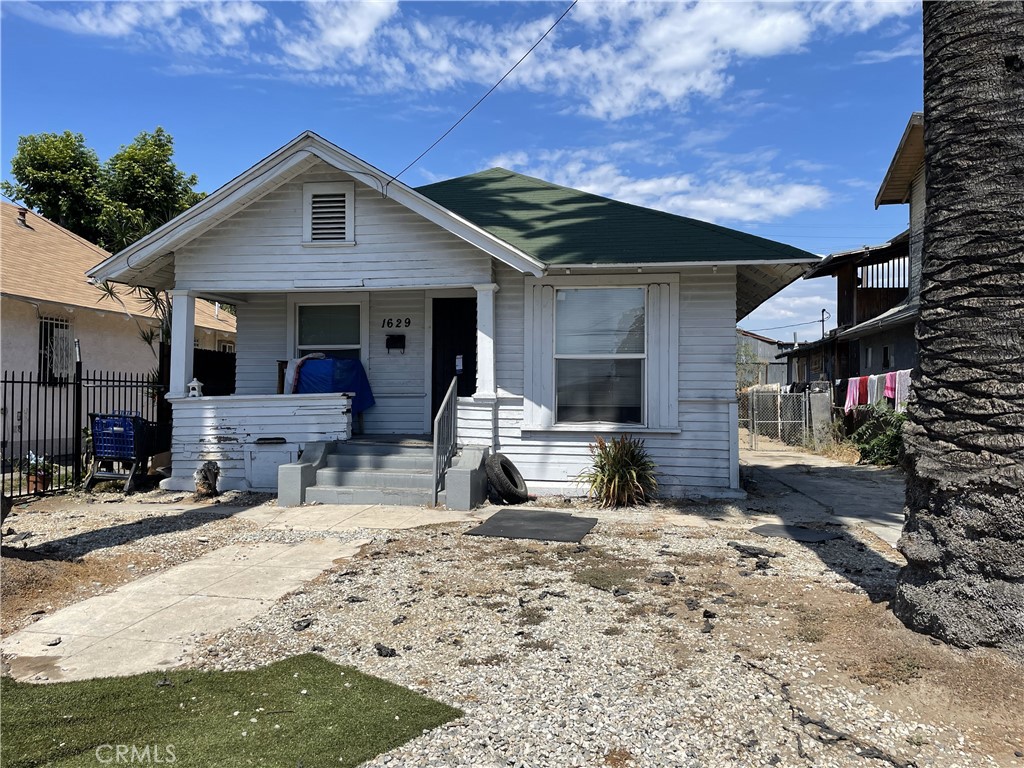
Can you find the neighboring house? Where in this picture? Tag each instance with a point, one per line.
(877, 287)
(757, 360)
(46, 303)
(561, 315)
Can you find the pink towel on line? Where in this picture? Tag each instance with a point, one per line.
(890, 384)
(852, 394)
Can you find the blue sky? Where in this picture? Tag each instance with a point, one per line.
(775, 118)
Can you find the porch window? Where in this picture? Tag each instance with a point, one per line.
(329, 328)
(600, 355)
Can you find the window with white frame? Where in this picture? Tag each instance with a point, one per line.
(328, 213)
(602, 351)
(332, 329)
(56, 350)
(227, 346)
(600, 355)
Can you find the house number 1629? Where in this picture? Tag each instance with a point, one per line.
(396, 322)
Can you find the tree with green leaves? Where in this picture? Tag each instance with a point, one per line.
(58, 176)
(113, 204)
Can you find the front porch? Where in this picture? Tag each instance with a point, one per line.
(405, 342)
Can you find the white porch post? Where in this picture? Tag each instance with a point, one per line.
(485, 377)
(183, 331)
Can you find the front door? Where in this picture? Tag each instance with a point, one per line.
(454, 349)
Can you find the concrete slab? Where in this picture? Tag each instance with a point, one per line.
(802, 487)
(150, 623)
(105, 615)
(194, 614)
(183, 580)
(121, 656)
(254, 583)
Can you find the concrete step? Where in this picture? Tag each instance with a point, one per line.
(364, 448)
(385, 496)
(396, 479)
(396, 461)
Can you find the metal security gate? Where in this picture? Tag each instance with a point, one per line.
(772, 419)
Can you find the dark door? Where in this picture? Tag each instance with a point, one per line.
(454, 342)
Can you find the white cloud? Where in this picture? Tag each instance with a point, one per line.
(333, 31)
(909, 48)
(723, 192)
(610, 60)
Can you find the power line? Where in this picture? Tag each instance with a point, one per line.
(481, 99)
(779, 327)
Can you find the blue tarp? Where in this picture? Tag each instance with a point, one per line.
(336, 376)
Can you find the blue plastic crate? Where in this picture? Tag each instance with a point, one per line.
(117, 436)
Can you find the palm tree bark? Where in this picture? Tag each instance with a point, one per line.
(964, 531)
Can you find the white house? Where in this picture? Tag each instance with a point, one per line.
(561, 315)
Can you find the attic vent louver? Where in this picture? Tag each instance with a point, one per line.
(329, 219)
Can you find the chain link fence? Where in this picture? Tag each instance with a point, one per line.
(770, 419)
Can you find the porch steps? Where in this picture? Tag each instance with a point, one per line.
(387, 472)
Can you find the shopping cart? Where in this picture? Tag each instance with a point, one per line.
(119, 448)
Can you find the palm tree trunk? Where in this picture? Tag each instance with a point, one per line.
(964, 531)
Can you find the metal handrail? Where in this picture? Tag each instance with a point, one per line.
(446, 435)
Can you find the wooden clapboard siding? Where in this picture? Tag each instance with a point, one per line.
(226, 430)
(707, 333)
(509, 335)
(397, 379)
(260, 248)
(696, 459)
(261, 342)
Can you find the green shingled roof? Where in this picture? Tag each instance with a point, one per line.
(558, 225)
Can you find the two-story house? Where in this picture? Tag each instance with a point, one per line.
(877, 287)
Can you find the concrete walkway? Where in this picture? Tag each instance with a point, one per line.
(152, 623)
(804, 487)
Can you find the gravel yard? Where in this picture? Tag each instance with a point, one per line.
(652, 644)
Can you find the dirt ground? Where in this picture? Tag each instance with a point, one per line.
(843, 619)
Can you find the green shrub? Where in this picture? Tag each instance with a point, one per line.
(622, 474)
(880, 437)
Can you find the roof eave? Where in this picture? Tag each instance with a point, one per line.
(889, 193)
(680, 264)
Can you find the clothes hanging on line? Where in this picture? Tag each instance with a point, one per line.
(902, 390)
(890, 385)
(852, 394)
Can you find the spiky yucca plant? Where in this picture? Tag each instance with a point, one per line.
(622, 474)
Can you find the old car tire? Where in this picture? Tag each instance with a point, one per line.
(506, 479)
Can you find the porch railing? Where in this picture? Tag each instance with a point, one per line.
(446, 436)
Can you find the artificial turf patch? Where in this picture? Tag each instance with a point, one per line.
(301, 711)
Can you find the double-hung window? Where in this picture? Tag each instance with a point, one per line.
(600, 355)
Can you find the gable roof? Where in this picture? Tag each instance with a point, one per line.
(564, 227)
(139, 261)
(561, 226)
(905, 164)
(25, 251)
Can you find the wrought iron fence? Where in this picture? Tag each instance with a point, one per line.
(44, 423)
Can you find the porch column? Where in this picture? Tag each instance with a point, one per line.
(183, 331)
(485, 378)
